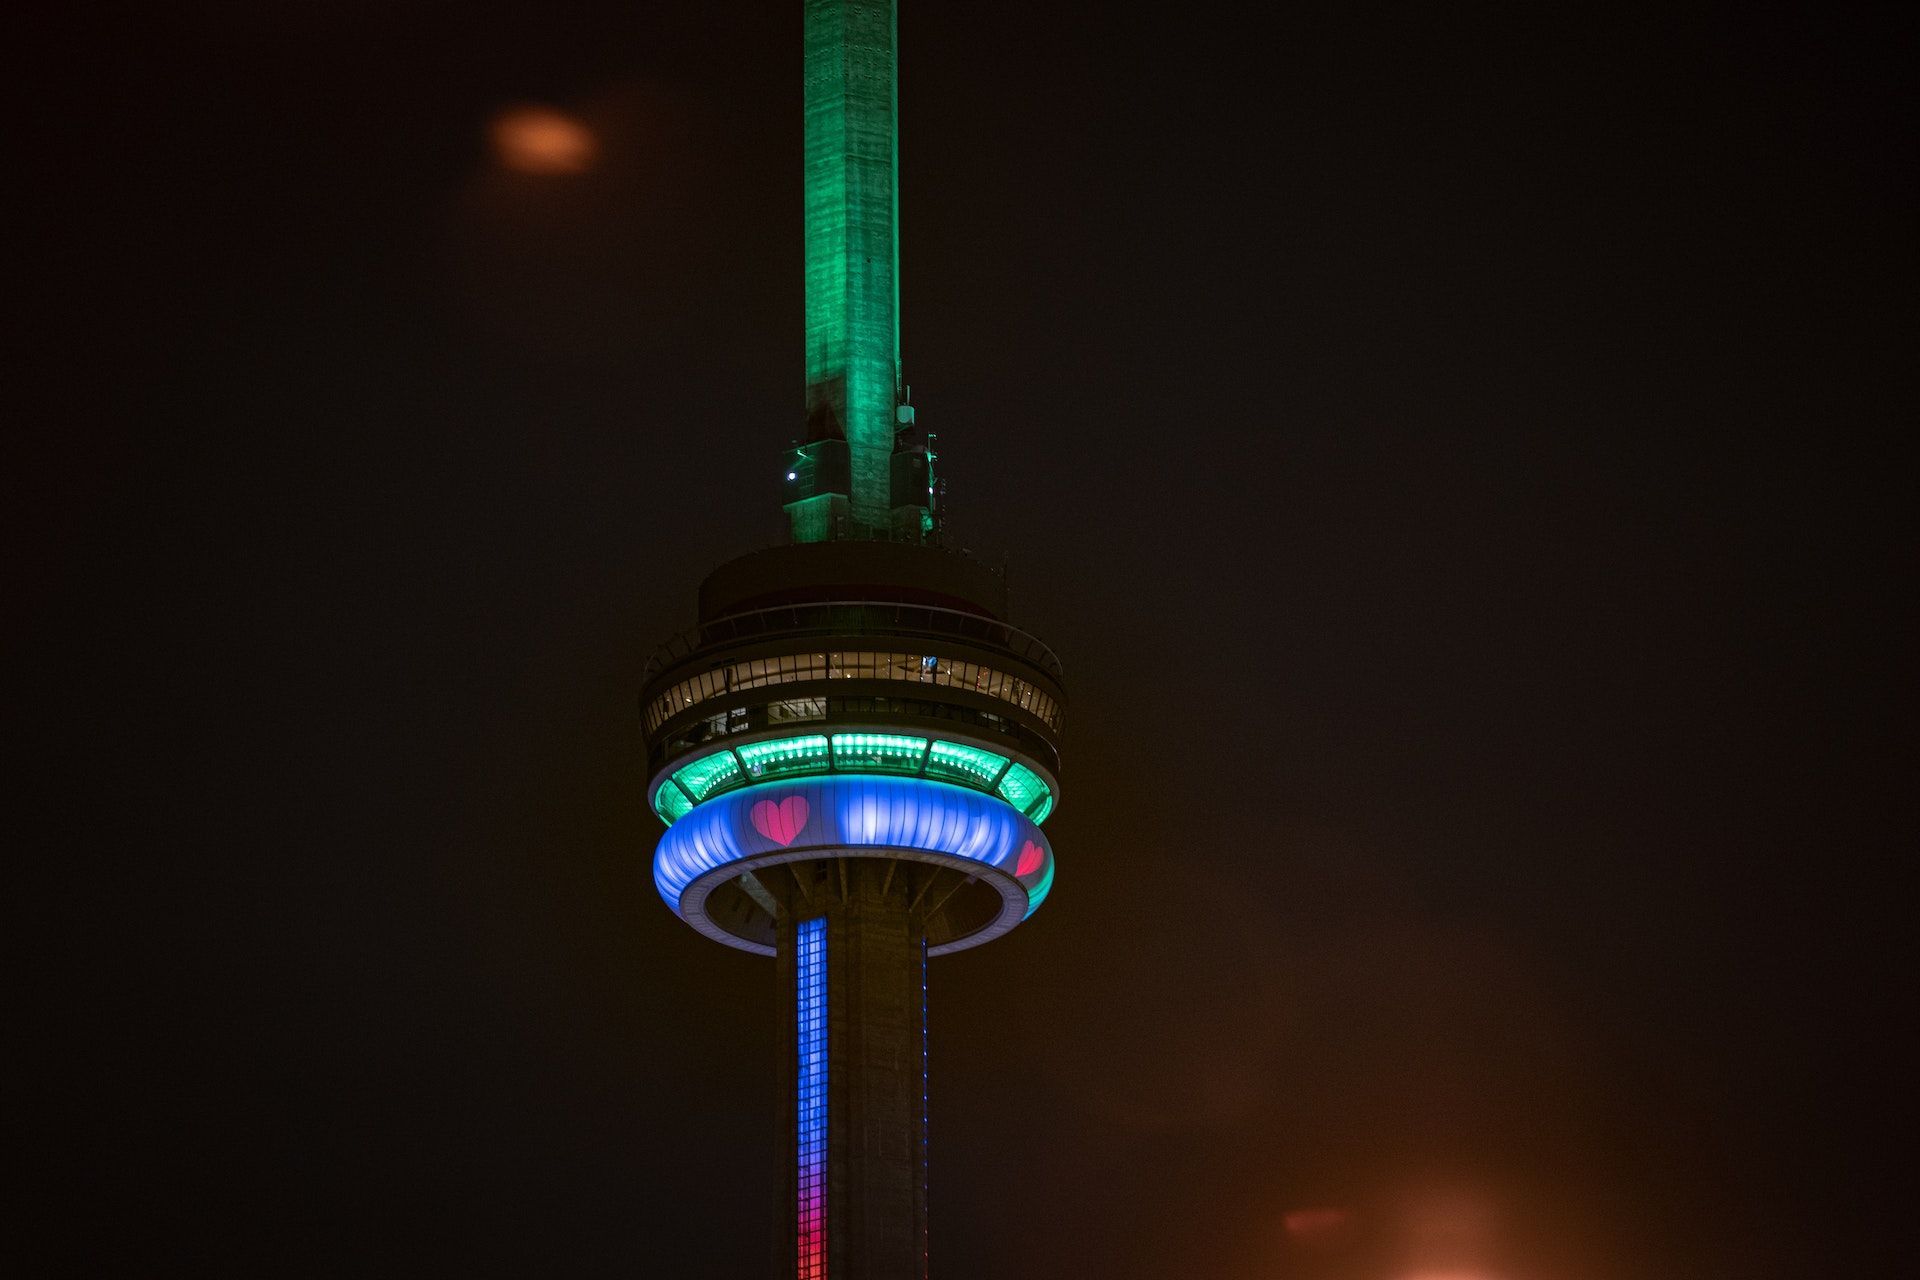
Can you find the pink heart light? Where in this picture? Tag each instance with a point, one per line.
(1030, 859)
(780, 822)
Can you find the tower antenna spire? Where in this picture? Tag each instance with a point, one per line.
(861, 472)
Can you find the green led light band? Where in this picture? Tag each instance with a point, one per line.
(815, 753)
(1038, 894)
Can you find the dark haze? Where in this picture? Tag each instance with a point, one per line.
(1452, 449)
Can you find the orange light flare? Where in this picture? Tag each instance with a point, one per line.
(1317, 1227)
(1451, 1236)
(543, 140)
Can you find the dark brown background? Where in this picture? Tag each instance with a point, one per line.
(1453, 449)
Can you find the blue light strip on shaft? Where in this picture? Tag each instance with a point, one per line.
(810, 970)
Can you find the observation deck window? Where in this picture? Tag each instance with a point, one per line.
(926, 669)
(796, 710)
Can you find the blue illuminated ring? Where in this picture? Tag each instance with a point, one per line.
(854, 816)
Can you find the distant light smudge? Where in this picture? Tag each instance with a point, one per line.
(542, 140)
(1316, 1226)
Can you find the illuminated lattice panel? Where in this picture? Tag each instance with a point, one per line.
(710, 774)
(672, 803)
(878, 752)
(787, 757)
(969, 766)
(1022, 787)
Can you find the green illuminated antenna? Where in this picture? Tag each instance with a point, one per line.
(863, 470)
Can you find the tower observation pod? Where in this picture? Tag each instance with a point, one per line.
(854, 751)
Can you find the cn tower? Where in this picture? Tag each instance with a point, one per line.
(854, 748)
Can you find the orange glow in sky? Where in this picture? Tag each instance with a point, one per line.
(1315, 1226)
(543, 140)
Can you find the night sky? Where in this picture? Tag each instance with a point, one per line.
(1453, 449)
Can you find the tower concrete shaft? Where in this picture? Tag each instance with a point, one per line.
(853, 958)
